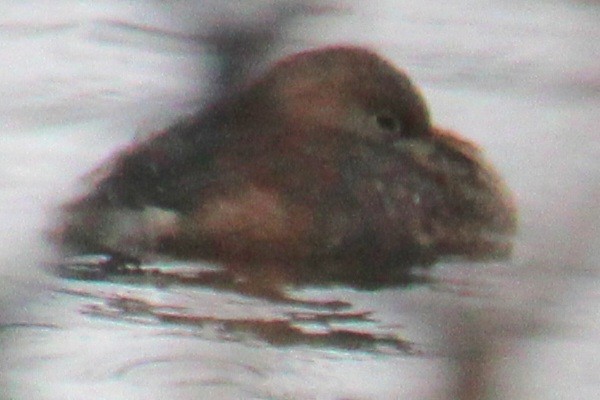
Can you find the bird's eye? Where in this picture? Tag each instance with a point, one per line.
(388, 123)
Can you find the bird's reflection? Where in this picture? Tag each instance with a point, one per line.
(330, 324)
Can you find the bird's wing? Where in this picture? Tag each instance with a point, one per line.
(166, 170)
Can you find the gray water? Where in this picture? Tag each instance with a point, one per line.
(522, 79)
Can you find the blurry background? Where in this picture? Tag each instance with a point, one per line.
(79, 80)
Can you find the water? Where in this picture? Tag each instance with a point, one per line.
(521, 79)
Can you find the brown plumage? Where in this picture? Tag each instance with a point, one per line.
(328, 159)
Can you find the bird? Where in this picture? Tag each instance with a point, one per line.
(327, 165)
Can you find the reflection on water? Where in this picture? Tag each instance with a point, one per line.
(295, 321)
(521, 79)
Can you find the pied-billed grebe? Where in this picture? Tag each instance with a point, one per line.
(328, 156)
